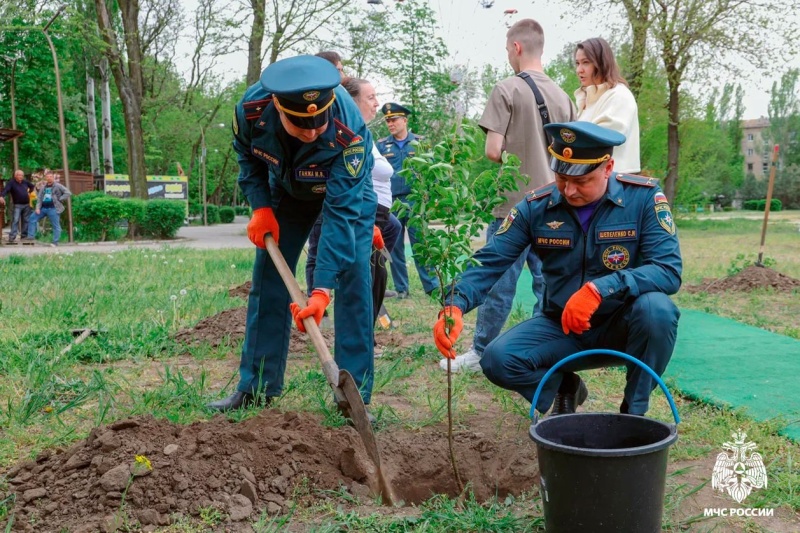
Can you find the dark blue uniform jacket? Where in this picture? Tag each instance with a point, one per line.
(396, 156)
(336, 168)
(631, 247)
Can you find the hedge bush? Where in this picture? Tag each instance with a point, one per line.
(212, 214)
(759, 205)
(226, 214)
(133, 212)
(163, 218)
(97, 216)
(242, 210)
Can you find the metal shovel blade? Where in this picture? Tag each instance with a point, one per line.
(353, 406)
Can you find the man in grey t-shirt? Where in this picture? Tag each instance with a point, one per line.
(513, 123)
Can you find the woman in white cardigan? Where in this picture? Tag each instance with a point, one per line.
(604, 99)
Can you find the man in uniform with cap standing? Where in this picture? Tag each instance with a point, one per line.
(396, 148)
(610, 260)
(303, 148)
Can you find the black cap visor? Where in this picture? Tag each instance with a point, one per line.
(572, 169)
(309, 123)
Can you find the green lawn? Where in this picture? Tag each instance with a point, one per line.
(139, 298)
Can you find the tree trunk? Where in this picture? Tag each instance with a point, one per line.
(673, 141)
(128, 76)
(256, 41)
(640, 22)
(91, 119)
(274, 48)
(105, 110)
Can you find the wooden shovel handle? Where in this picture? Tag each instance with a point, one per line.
(329, 367)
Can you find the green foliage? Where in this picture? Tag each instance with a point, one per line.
(784, 117)
(97, 217)
(562, 69)
(761, 205)
(448, 192)
(163, 218)
(28, 55)
(742, 261)
(226, 214)
(212, 214)
(414, 61)
(242, 210)
(133, 211)
(195, 208)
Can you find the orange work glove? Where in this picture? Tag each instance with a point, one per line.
(315, 308)
(262, 222)
(449, 319)
(377, 238)
(580, 308)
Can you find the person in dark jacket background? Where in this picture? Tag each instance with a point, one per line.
(19, 189)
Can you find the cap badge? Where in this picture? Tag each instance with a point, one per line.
(310, 96)
(312, 108)
(387, 107)
(568, 136)
(567, 152)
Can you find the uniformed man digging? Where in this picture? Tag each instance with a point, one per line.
(610, 259)
(304, 148)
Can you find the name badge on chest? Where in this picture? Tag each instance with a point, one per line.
(311, 174)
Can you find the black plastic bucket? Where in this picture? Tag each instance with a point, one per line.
(603, 472)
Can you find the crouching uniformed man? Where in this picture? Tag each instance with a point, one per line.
(610, 259)
(304, 148)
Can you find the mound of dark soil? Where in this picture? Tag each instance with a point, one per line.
(748, 279)
(242, 291)
(244, 468)
(227, 329)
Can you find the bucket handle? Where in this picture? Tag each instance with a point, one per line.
(584, 353)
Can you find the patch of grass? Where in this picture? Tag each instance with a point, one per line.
(48, 399)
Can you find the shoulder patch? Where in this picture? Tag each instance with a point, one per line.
(354, 157)
(344, 135)
(507, 221)
(541, 192)
(634, 179)
(253, 110)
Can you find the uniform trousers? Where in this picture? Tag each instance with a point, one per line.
(390, 231)
(269, 320)
(645, 327)
(399, 268)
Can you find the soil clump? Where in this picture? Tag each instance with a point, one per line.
(748, 279)
(268, 462)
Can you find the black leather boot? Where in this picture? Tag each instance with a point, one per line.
(237, 400)
(571, 394)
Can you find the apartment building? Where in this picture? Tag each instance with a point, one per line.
(754, 148)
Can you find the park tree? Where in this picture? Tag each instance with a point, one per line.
(367, 30)
(26, 60)
(290, 23)
(146, 26)
(711, 146)
(414, 63)
(211, 42)
(255, 41)
(698, 35)
(638, 18)
(784, 118)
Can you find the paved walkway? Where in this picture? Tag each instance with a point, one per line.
(232, 235)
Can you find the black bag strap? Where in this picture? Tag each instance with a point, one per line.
(537, 94)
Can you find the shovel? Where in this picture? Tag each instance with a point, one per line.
(344, 387)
